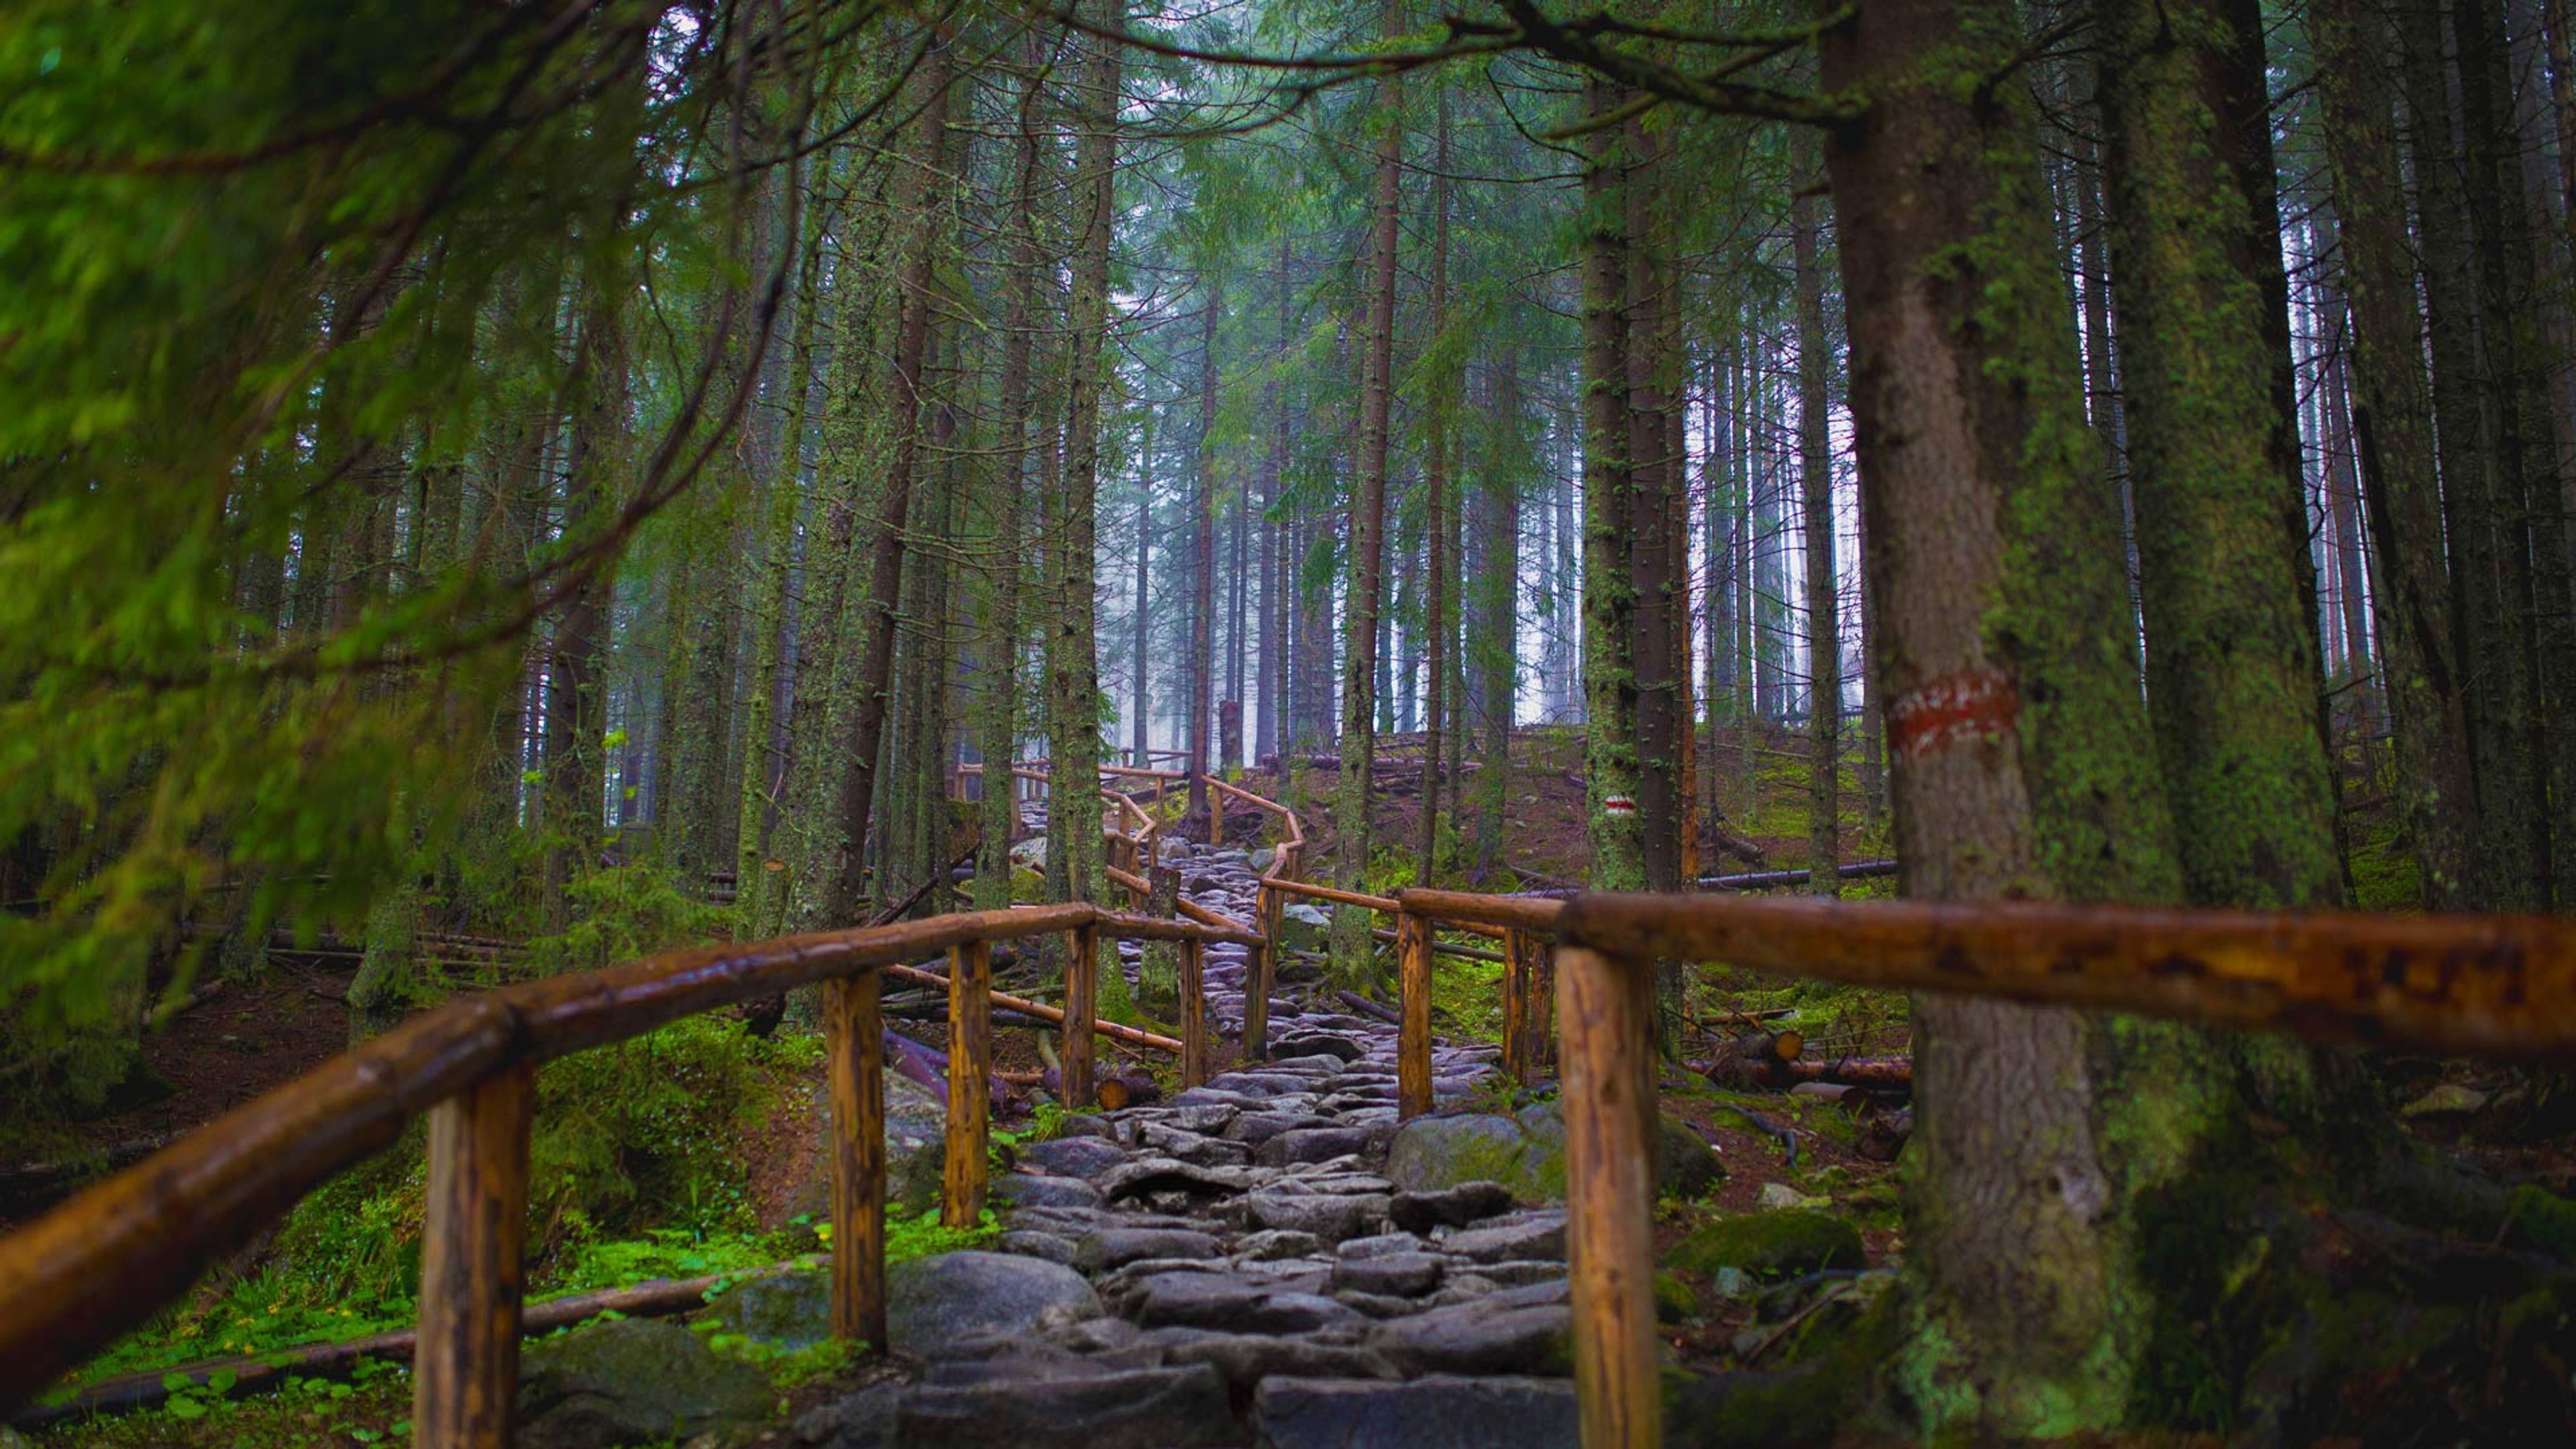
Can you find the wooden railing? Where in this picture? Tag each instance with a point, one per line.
(99, 1264)
(2488, 986)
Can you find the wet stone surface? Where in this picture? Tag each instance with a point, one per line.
(1257, 1276)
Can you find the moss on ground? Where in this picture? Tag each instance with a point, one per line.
(1776, 1244)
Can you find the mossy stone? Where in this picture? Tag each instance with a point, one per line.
(2544, 1220)
(1674, 1300)
(633, 1381)
(792, 1309)
(1776, 1244)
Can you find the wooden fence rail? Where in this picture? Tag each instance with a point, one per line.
(2493, 986)
(102, 1262)
(95, 1266)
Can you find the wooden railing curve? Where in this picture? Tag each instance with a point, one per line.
(100, 1263)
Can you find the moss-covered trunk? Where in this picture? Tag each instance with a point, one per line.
(2393, 437)
(2024, 764)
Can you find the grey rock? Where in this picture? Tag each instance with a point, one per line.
(1454, 1207)
(791, 1309)
(1304, 927)
(1246, 1359)
(1311, 1144)
(1202, 1117)
(633, 1381)
(1473, 1338)
(1170, 1174)
(1032, 1243)
(1031, 1189)
(1398, 1275)
(1014, 1363)
(1107, 1248)
(935, 1300)
(1257, 1128)
(1073, 1156)
(1320, 1063)
(1212, 1300)
(1524, 1272)
(1431, 1413)
(1379, 1246)
(1341, 1049)
(1276, 1243)
(1538, 1235)
(1532, 1295)
(1434, 1154)
(1377, 1305)
(1329, 1216)
(1165, 1408)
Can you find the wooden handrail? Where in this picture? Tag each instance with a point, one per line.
(105, 1260)
(2490, 986)
(2500, 986)
(1338, 896)
(1469, 908)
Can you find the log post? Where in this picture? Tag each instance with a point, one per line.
(1413, 1032)
(1606, 1006)
(1258, 972)
(1516, 1006)
(465, 1369)
(1194, 1044)
(970, 1063)
(1081, 1009)
(854, 1038)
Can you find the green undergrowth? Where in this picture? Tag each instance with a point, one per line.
(635, 1175)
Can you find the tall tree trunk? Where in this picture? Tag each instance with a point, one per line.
(576, 775)
(1816, 487)
(1610, 586)
(1073, 664)
(763, 771)
(1006, 624)
(1141, 685)
(2474, 449)
(1351, 941)
(1438, 627)
(920, 203)
(2023, 758)
(2231, 667)
(2393, 436)
(1202, 670)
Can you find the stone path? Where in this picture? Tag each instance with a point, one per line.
(1238, 1266)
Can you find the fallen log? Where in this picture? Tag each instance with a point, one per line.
(1889, 1073)
(1771, 879)
(1133, 1036)
(1127, 1089)
(1363, 1005)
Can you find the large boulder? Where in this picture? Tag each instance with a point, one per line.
(1525, 1152)
(1434, 1154)
(633, 1381)
(1428, 1413)
(1304, 927)
(1145, 1408)
(792, 1309)
(916, 1151)
(937, 1300)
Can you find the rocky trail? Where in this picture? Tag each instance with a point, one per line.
(1264, 1260)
